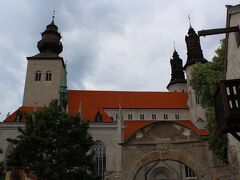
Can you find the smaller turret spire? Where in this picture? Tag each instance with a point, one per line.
(177, 75)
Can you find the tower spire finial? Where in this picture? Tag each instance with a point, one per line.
(174, 46)
(53, 17)
(189, 20)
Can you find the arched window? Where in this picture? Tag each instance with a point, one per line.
(197, 98)
(99, 151)
(48, 76)
(177, 116)
(154, 116)
(165, 116)
(129, 116)
(38, 76)
(189, 173)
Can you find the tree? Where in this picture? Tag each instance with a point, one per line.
(1, 169)
(205, 78)
(54, 146)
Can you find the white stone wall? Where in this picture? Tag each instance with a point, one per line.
(233, 51)
(110, 135)
(183, 113)
(179, 87)
(8, 130)
(40, 93)
(232, 71)
(196, 110)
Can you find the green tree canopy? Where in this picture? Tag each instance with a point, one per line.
(54, 146)
(2, 174)
(205, 78)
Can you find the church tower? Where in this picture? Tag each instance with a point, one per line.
(178, 83)
(194, 55)
(46, 71)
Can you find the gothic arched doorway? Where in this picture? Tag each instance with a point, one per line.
(165, 170)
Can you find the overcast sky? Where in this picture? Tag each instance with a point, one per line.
(108, 44)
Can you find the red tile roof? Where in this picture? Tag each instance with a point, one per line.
(96, 101)
(132, 126)
(93, 101)
(189, 124)
(25, 109)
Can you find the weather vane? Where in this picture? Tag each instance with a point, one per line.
(189, 19)
(174, 46)
(53, 15)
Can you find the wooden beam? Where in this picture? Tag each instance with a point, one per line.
(218, 31)
(234, 134)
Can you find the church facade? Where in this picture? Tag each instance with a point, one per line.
(138, 135)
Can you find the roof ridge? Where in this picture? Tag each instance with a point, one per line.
(127, 91)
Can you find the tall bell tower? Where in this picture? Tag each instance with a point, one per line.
(194, 56)
(46, 70)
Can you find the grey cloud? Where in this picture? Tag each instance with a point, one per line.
(109, 44)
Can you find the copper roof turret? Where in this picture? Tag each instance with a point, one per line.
(177, 75)
(194, 51)
(50, 42)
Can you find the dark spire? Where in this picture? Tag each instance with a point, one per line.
(194, 51)
(177, 75)
(50, 42)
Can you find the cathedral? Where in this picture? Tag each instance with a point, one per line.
(138, 135)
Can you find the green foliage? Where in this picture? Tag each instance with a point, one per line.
(54, 145)
(2, 169)
(205, 78)
(217, 143)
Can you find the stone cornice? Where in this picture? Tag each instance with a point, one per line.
(10, 126)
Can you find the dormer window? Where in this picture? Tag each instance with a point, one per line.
(141, 116)
(38, 76)
(48, 76)
(98, 117)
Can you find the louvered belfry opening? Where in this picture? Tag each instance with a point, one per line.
(227, 106)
